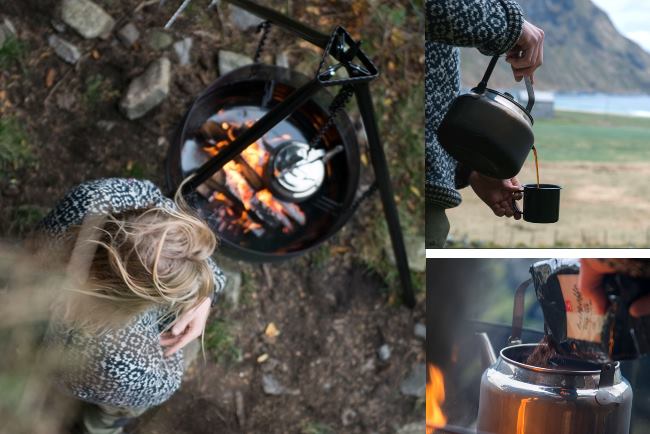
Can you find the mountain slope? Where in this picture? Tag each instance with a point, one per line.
(583, 51)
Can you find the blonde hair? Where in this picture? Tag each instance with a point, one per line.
(138, 260)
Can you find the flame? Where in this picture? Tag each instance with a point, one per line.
(256, 158)
(435, 397)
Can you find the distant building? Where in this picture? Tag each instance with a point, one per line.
(544, 107)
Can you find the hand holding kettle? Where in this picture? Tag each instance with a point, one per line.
(528, 53)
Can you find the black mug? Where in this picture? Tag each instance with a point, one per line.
(541, 204)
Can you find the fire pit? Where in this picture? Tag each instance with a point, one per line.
(280, 197)
(270, 156)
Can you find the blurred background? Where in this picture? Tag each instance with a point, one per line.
(478, 295)
(592, 128)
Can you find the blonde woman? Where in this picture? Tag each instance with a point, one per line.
(140, 286)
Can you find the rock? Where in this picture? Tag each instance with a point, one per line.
(183, 49)
(65, 100)
(64, 49)
(128, 34)
(148, 90)
(232, 290)
(244, 20)
(415, 383)
(106, 125)
(420, 330)
(87, 18)
(348, 416)
(415, 251)
(412, 428)
(271, 386)
(159, 39)
(383, 353)
(229, 61)
(57, 25)
(282, 59)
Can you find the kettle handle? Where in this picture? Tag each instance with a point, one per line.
(488, 72)
(518, 313)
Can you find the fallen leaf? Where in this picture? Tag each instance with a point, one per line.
(338, 250)
(263, 358)
(50, 77)
(271, 330)
(415, 191)
(95, 54)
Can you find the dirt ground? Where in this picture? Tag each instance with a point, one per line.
(333, 312)
(602, 205)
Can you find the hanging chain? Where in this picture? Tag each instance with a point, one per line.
(338, 104)
(265, 28)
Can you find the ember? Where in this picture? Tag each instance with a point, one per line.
(435, 396)
(238, 194)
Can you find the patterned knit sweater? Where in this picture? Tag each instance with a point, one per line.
(493, 26)
(126, 367)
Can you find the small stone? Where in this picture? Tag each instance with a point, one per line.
(348, 416)
(263, 358)
(415, 383)
(64, 49)
(282, 59)
(106, 125)
(12, 189)
(232, 290)
(415, 252)
(183, 49)
(383, 353)
(420, 330)
(412, 428)
(244, 20)
(163, 143)
(148, 90)
(65, 100)
(271, 386)
(57, 25)
(87, 18)
(128, 34)
(229, 61)
(159, 39)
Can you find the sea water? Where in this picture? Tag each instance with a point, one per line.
(624, 105)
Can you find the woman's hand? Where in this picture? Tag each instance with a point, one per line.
(498, 194)
(187, 327)
(528, 53)
(590, 283)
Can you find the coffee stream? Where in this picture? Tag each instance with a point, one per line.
(536, 164)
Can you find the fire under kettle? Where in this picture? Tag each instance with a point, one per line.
(569, 397)
(488, 131)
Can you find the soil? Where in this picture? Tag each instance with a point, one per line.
(332, 312)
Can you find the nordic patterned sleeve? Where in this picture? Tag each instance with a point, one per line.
(101, 196)
(492, 26)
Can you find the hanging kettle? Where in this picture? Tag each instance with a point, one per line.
(487, 130)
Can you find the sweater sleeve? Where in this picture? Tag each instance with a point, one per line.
(492, 26)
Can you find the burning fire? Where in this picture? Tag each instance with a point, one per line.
(238, 192)
(435, 397)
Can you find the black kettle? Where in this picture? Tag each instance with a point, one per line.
(488, 131)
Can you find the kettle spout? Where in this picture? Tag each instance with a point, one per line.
(488, 357)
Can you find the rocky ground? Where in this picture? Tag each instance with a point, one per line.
(317, 345)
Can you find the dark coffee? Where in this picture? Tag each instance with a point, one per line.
(541, 203)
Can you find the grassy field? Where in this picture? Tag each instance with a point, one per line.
(603, 164)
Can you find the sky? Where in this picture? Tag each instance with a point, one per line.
(631, 17)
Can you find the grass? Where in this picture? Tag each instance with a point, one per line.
(97, 90)
(572, 136)
(220, 343)
(12, 52)
(24, 219)
(15, 151)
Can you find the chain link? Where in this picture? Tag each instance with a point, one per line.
(265, 28)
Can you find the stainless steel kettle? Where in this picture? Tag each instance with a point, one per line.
(487, 130)
(571, 397)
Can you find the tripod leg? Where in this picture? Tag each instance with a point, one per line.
(364, 100)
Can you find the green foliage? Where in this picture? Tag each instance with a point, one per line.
(15, 151)
(316, 428)
(12, 51)
(24, 219)
(220, 343)
(98, 89)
